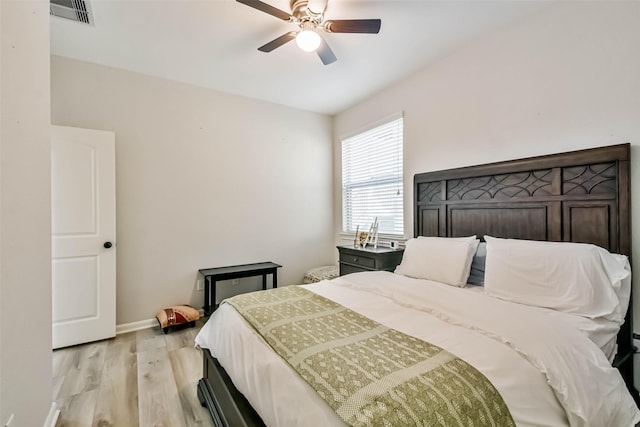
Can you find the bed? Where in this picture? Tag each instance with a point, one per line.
(579, 197)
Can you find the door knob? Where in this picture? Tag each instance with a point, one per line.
(107, 245)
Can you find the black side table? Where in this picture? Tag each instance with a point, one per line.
(213, 275)
(353, 260)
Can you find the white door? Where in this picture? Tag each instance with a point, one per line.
(83, 212)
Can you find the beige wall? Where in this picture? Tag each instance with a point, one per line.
(562, 80)
(25, 218)
(203, 179)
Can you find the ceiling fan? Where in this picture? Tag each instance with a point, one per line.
(309, 16)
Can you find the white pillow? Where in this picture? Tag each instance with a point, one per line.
(575, 278)
(443, 259)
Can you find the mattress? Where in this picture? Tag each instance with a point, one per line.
(547, 369)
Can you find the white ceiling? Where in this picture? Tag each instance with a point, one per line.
(213, 43)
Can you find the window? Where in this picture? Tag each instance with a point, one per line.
(372, 179)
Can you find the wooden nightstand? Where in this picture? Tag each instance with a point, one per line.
(353, 260)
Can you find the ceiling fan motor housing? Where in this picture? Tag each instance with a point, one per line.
(301, 11)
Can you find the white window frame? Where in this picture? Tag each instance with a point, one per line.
(395, 169)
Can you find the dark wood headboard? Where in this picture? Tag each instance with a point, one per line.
(580, 196)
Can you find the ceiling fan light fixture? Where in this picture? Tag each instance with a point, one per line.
(309, 16)
(308, 40)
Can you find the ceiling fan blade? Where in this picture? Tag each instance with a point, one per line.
(317, 6)
(325, 53)
(273, 44)
(266, 8)
(369, 26)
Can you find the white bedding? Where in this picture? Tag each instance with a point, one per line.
(567, 379)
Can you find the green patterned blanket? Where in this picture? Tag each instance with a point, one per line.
(369, 374)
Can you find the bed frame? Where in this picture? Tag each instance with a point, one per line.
(580, 196)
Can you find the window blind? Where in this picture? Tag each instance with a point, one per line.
(372, 179)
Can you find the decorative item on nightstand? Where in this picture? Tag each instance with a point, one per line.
(372, 235)
(363, 239)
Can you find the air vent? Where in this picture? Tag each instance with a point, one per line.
(75, 10)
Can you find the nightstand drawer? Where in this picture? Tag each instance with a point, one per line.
(348, 269)
(360, 260)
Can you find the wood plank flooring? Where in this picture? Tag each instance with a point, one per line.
(143, 378)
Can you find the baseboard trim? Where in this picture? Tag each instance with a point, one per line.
(136, 326)
(52, 417)
(141, 324)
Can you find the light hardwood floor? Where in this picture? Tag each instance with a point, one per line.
(143, 378)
